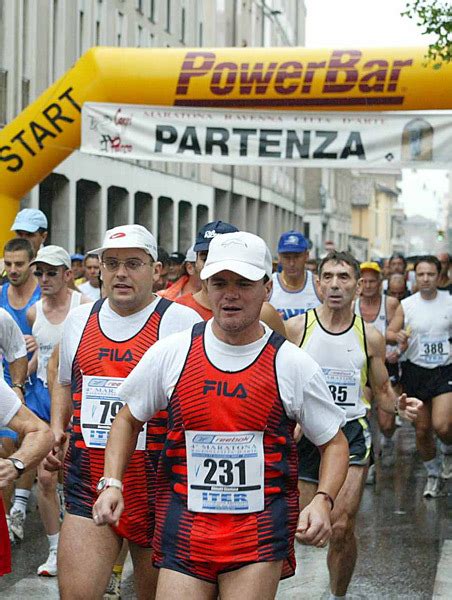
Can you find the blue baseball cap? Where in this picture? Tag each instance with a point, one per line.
(292, 241)
(80, 257)
(30, 219)
(209, 231)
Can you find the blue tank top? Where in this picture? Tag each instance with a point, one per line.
(20, 316)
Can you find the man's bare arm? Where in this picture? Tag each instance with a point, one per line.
(314, 524)
(121, 444)
(395, 334)
(60, 415)
(295, 329)
(37, 440)
(18, 370)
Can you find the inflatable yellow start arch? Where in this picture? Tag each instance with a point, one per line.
(48, 130)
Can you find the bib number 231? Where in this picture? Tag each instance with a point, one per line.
(225, 471)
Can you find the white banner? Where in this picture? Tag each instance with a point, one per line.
(309, 139)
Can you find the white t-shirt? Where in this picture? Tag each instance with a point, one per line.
(89, 290)
(12, 341)
(176, 318)
(431, 329)
(304, 393)
(9, 403)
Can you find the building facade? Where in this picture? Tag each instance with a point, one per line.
(41, 39)
(376, 215)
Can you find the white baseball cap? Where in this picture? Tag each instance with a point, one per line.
(129, 236)
(240, 252)
(53, 255)
(191, 255)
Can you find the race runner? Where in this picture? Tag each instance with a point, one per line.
(227, 495)
(350, 352)
(101, 344)
(422, 326)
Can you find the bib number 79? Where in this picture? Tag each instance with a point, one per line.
(109, 410)
(225, 470)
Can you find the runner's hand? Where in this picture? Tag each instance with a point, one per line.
(108, 507)
(31, 343)
(408, 408)
(314, 523)
(54, 459)
(402, 340)
(393, 357)
(8, 473)
(298, 433)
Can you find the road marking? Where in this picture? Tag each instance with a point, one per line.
(443, 581)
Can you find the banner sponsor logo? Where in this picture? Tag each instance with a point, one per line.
(342, 78)
(334, 140)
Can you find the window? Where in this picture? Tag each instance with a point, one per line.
(200, 35)
(3, 95)
(25, 92)
(81, 24)
(168, 16)
(119, 29)
(139, 5)
(139, 37)
(152, 10)
(97, 41)
(182, 26)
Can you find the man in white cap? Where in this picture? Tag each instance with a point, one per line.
(227, 507)
(52, 268)
(31, 223)
(101, 344)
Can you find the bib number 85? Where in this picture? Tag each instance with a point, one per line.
(339, 392)
(225, 470)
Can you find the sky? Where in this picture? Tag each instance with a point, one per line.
(373, 23)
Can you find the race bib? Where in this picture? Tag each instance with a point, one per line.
(433, 348)
(100, 405)
(225, 471)
(344, 386)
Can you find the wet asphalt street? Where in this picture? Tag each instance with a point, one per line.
(405, 544)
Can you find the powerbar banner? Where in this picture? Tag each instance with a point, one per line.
(252, 137)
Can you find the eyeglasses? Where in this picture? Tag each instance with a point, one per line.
(131, 264)
(48, 273)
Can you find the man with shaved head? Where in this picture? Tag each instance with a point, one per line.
(397, 287)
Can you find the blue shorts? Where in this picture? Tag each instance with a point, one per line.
(5, 432)
(38, 400)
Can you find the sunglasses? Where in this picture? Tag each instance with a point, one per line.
(48, 273)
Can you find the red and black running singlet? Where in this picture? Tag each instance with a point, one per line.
(101, 356)
(197, 538)
(5, 547)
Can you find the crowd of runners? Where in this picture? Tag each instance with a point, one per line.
(203, 410)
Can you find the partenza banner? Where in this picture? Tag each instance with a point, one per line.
(334, 140)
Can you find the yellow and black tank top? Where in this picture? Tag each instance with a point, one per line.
(344, 361)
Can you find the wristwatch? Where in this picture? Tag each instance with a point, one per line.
(18, 464)
(21, 387)
(106, 482)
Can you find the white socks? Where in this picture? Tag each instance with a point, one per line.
(20, 501)
(53, 541)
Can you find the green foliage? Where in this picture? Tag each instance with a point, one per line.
(434, 17)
